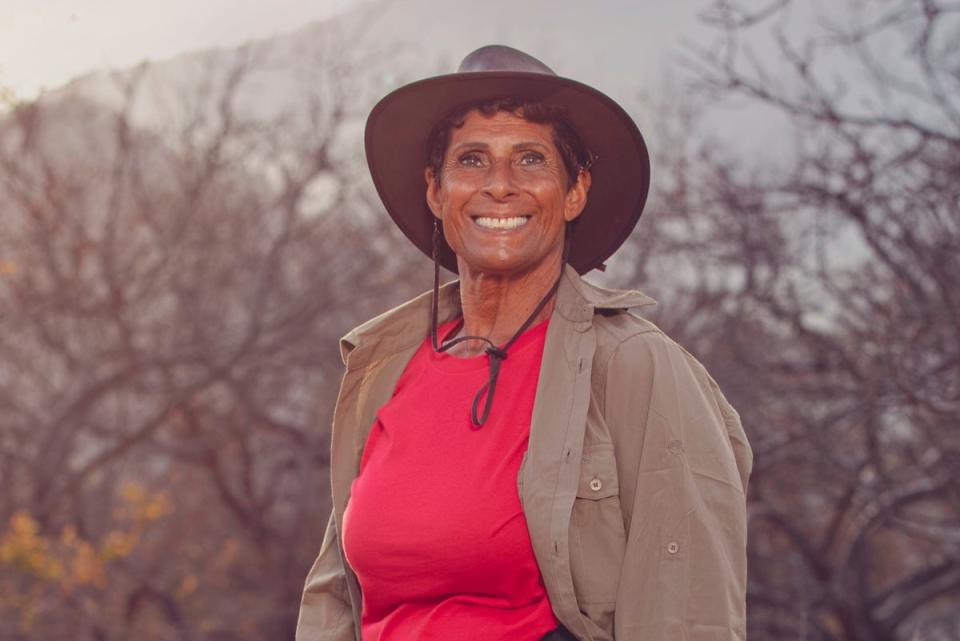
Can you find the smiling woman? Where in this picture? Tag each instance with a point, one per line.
(518, 455)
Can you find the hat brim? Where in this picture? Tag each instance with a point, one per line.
(398, 126)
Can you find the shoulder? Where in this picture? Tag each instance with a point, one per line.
(635, 357)
(625, 339)
(405, 325)
(649, 386)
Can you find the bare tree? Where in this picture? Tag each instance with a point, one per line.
(820, 286)
(171, 300)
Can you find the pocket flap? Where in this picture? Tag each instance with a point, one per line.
(598, 473)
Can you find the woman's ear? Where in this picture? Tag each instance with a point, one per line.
(576, 198)
(433, 192)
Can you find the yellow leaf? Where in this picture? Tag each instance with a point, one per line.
(68, 536)
(188, 585)
(159, 506)
(118, 545)
(132, 492)
(23, 525)
(87, 568)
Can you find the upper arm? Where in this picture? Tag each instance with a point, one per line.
(684, 464)
(665, 400)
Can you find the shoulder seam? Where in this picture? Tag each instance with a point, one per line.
(613, 352)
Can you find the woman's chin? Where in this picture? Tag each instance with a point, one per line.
(499, 265)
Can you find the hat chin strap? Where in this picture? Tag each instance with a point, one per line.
(496, 354)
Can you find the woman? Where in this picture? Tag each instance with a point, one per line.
(517, 455)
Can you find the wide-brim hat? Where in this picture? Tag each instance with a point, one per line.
(398, 127)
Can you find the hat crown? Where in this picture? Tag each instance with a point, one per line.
(502, 58)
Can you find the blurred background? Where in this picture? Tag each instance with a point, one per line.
(187, 227)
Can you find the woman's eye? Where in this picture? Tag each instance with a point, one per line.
(531, 158)
(470, 159)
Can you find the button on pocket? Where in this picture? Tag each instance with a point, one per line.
(598, 473)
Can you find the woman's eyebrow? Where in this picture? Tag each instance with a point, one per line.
(528, 145)
(472, 145)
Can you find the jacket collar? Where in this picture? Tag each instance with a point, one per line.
(407, 325)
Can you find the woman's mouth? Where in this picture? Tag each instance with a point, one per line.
(501, 223)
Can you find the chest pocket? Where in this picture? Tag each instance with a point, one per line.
(597, 536)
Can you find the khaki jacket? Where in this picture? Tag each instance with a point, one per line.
(633, 484)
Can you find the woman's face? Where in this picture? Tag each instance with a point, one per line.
(502, 195)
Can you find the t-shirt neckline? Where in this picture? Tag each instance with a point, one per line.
(450, 363)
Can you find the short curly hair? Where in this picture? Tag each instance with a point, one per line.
(576, 155)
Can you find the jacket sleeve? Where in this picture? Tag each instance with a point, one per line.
(325, 612)
(684, 496)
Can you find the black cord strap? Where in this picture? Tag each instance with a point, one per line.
(495, 354)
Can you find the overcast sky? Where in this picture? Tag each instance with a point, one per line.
(626, 48)
(45, 43)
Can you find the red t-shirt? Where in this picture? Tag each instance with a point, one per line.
(434, 528)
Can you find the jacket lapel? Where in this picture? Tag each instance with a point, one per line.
(375, 355)
(552, 464)
(551, 471)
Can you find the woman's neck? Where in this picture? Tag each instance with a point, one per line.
(496, 306)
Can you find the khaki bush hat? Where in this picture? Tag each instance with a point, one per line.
(398, 127)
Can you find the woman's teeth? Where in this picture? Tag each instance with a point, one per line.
(501, 223)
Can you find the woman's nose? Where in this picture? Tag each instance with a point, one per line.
(500, 180)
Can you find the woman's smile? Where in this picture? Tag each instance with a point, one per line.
(501, 224)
